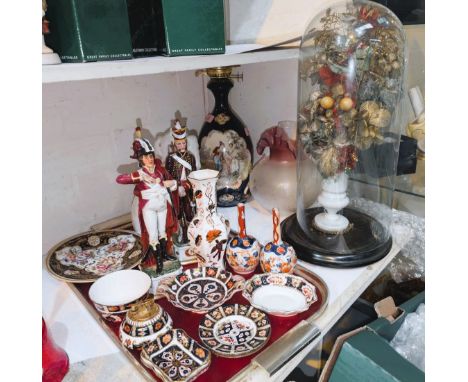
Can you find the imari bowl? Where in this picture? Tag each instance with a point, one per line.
(234, 330)
(176, 357)
(115, 293)
(144, 323)
(280, 294)
(201, 289)
(243, 254)
(278, 258)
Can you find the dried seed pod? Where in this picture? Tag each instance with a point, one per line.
(381, 119)
(346, 104)
(327, 102)
(337, 90)
(369, 108)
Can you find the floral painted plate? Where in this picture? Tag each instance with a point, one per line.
(201, 289)
(280, 294)
(234, 330)
(176, 357)
(86, 257)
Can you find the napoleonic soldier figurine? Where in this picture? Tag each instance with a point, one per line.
(157, 198)
(179, 163)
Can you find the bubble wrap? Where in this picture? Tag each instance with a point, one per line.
(409, 340)
(408, 232)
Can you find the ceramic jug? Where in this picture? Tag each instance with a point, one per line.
(273, 181)
(208, 230)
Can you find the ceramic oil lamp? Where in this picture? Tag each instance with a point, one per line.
(277, 256)
(144, 322)
(242, 251)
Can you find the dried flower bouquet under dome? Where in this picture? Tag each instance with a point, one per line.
(352, 65)
(351, 80)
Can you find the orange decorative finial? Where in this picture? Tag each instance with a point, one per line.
(276, 226)
(241, 220)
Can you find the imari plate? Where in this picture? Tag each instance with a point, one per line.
(201, 289)
(280, 294)
(176, 357)
(88, 256)
(235, 330)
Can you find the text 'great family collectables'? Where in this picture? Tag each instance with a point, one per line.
(351, 79)
(89, 30)
(190, 27)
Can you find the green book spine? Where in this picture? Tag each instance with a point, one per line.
(89, 30)
(193, 27)
(64, 37)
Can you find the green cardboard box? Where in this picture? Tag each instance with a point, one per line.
(365, 354)
(191, 27)
(89, 30)
(145, 30)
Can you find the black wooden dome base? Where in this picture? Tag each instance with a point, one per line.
(363, 243)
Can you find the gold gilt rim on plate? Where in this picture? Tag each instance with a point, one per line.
(88, 277)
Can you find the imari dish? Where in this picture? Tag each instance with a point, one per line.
(144, 322)
(114, 293)
(201, 289)
(175, 357)
(88, 256)
(235, 330)
(280, 294)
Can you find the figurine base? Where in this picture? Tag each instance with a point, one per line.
(170, 268)
(50, 59)
(361, 244)
(181, 252)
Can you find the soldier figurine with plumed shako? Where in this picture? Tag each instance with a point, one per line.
(180, 163)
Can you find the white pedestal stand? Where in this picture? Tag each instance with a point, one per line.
(333, 198)
(48, 55)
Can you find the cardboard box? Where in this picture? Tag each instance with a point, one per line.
(145, 30)
(89, 30)
(365, 354)
(192, 27)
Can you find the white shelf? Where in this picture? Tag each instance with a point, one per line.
(235, 55)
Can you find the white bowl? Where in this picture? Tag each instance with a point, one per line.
(114, 292)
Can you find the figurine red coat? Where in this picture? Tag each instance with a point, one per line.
(172, 211)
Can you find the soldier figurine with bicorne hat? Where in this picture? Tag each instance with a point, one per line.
(180, 162)
(157, 197)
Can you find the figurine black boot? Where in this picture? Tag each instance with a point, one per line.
(165, 255)
(159, 258)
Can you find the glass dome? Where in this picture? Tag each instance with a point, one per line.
(351, 80)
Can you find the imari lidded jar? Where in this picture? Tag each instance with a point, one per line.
(242, 251)
(277, 256)
(351, 79)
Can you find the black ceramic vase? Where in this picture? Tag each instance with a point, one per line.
(225, 143)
